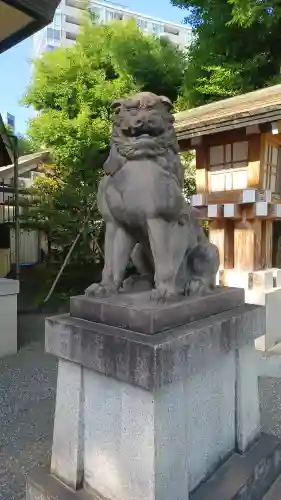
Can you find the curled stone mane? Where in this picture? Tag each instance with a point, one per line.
(143, 128)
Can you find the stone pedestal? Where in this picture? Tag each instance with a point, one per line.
(151, 415)
(9, 290)
(262, 288)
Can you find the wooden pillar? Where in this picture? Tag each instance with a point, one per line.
(221, 233)
(247, 245)
(201, 169)
(254, 161)
(266, 244)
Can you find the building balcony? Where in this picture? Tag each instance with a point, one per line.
(76, 4)
(73, 13)
(71, 29)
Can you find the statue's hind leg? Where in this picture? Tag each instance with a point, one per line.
(168, 244)
(203, 263)
(142, 261)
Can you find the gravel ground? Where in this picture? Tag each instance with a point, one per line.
(27, 399)
(270, 403)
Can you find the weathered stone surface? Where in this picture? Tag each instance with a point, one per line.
(151, 361)
(138, 313)
(247, 402)
(245, 477)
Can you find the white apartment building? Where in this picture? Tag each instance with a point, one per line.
(68, 18)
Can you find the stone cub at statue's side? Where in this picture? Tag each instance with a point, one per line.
(147, 218)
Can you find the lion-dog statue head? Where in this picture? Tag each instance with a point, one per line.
(143, 128)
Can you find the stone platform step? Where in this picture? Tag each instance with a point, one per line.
(275, 491)
(249, 476)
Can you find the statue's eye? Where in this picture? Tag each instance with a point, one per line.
(116, 107)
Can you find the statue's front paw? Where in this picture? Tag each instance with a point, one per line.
(163, 293)
(100, 290)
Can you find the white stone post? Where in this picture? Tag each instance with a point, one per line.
(9, 290)
(67, 451)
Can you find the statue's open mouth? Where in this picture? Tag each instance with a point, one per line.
(141, 133)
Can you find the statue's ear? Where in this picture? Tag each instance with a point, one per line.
(166, 101)
(116, 106)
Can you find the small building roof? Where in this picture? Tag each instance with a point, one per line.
(21, 18)
(253, 108)
(6, 147)
(26, 163)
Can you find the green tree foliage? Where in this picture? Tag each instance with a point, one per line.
(72, 89)
(235, 49)
(188, 161)
(246, 12)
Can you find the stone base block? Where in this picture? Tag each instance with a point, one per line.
(276, 277)
(261, 288)
(249, 476)
(236, 278)
(260, 343)
(8, 314)
(136, 312)
(271, 300)
(265, 279)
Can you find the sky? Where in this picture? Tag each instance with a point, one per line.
(16, 62)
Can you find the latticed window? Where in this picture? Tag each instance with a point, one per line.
(271, 162)
(228, 166)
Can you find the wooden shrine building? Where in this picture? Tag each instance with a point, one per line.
(238, 175)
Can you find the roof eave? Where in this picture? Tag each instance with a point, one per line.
(186, 131)
(25, 164)
(5, 142)
(20, 35)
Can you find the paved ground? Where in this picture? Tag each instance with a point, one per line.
(27, 397)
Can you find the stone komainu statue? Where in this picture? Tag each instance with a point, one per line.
(146, 216)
